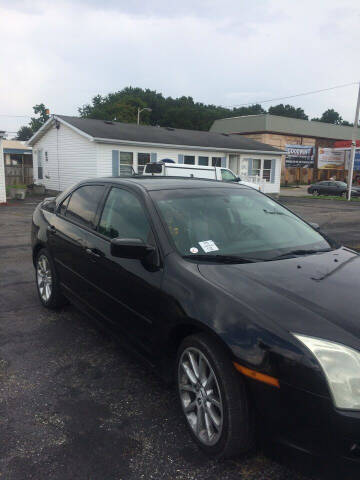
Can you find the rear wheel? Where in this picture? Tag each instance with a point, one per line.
(213, 398)
(47, 281)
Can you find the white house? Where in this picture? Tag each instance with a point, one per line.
(69, 149)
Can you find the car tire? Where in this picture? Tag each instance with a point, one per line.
(47, 281)
(344, 194)
(217, 412)
(315, 193)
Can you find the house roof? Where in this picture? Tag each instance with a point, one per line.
(16, 146)
(282, 125)
(116, 132)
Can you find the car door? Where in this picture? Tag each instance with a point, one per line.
(130, 292)
(68, 239)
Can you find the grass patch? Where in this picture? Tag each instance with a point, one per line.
(332, 197)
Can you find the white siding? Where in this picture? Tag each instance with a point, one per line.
(71, 158)
(104, 155)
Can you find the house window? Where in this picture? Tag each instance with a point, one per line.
(262, 168)
(126, 163)
(216, 161)
(266, 173)
(189, 159)
(256, 167)
(46, 157)
(204, 161)
(143, 159)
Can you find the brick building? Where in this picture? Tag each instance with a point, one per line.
(282, 132)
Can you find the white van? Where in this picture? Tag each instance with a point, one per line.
(196, 171)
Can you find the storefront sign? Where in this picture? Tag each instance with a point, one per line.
(331, 158)
(356, 160)
(299, 156)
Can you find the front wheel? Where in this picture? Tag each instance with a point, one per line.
(213, 398)
(315, 193)
(47, 281)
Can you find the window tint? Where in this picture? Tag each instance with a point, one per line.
(83, 204)
(124, 216)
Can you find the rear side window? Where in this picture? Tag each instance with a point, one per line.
(83, 204)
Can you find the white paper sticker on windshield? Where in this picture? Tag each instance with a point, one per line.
(208, 246)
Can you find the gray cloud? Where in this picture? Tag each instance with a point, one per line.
(222, 52)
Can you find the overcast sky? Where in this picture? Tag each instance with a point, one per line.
(226, 52)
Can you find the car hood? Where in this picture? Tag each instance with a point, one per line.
(250, 184)
(316, 295)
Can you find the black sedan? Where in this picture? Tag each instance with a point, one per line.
(252, 312)
(335, 188)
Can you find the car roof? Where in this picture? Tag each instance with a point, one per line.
(165, 183)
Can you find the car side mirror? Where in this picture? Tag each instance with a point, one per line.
(130, 248)
(316, 226)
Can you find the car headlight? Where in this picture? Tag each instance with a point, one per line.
(341, 366)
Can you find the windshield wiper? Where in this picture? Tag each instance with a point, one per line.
(301, 252)
(222, 258)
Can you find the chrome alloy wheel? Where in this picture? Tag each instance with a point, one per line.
(44, 278)
(200, 396)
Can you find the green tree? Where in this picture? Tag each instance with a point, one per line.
(288, 111)
(330, 116)
(182, 112)
(27, 131)
(24, 133)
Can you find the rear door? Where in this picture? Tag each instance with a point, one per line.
(69, 234)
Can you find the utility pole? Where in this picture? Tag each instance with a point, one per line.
(2, 170)
(139, 111)
(353, 146)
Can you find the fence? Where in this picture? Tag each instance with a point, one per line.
(18, 174)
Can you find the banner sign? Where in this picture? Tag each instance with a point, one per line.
(331, 159)
(356, 160)
(299, 156)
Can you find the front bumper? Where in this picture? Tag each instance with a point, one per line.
(309, 423)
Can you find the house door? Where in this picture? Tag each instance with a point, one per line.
(234, 161)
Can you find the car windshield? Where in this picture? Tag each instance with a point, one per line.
(235, 221)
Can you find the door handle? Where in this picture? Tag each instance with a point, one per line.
(94, 252)
(51, 229)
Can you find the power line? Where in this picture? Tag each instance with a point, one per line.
(15, 116)
(292, 96)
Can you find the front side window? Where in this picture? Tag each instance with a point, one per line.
(231, 221)
(204, 161)
(189, 159)
(227, 175)
(216, 161)
(83, 204)
(126, 163)
(143, 159)
(124, 216)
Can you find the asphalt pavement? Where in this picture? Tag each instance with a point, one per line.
(74, 404)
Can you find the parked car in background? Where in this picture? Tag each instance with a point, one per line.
(251, 311)
(328, 187)
(196, 171)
